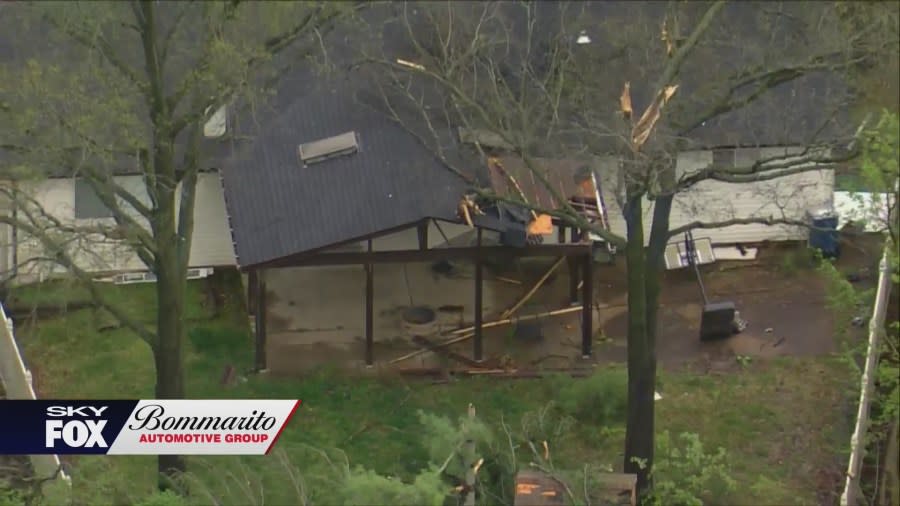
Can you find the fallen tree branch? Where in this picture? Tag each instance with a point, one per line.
(737, 221)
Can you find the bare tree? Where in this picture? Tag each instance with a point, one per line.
(90, 89)
(640, 84)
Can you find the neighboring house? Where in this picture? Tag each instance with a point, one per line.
(791, 197)
(72, 201)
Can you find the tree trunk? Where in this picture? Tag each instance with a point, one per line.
(168, 352)
(641, 355)
(643, 303)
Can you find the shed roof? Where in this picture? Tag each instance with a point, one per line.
(278, 207)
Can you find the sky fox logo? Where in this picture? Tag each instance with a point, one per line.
(77, 433)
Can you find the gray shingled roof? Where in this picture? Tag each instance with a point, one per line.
(279, 208)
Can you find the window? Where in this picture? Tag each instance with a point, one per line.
(217, 124)
(87, 204)
(339, 145)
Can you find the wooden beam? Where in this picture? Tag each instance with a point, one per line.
(478, 349)
(505, 321)
(468, 332)
(370, 312)
(430, 346)
(540, 282)
(422, 231)
(261, 361)
(587, 302)
(431, 255)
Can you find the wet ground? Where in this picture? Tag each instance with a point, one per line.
(783, 302)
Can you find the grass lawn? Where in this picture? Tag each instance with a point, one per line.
(781, 421)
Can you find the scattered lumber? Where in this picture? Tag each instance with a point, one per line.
(505, 321)
(533, 289)
(431, 346)
(468, 332)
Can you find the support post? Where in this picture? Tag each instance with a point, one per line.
(587, 311)
(574, 236)
(573, 279)
(479, 274)
(422, 230)
(260, 315)
(252, 280)
(561, 234)
(370, 289)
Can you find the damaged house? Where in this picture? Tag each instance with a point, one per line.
(339, 245)
(337, 214)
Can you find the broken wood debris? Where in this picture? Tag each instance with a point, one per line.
(469, 332)
(431, 346)
(498, 166)
(533, 289)
(468, 208)
(508, 320)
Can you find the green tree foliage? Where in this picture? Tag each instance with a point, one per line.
(97, 87)
(368, 487)
(518, 80)
(687, 474)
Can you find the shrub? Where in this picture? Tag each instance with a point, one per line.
(600, 399)
(367, 487)
(686, 474)
(11, 497)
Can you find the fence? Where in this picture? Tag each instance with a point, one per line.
(16, 379)
(851, 494)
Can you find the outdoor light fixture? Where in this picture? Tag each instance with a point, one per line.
(583, 38)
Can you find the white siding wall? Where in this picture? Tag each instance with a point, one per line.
(212, 245)
(710, 201)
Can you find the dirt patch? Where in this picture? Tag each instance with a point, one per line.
(785, 310)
